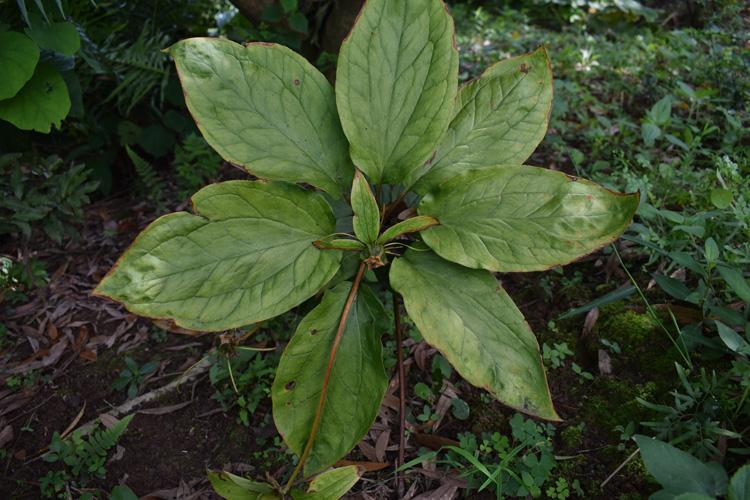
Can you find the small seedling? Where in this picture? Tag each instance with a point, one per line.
(132, 377)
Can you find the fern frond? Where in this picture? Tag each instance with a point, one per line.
(151, 183)
(140, 67)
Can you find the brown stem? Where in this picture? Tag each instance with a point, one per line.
(326, 380)
(401, 393)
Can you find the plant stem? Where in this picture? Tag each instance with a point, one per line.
(401, 393)
(326, 380)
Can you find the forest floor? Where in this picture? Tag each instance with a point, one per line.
(73, 346)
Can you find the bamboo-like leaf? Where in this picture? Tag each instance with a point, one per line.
(266, 108)
(519, 218)
(500, 118)
(469, 318)
(247, 256)
(356, 385)
(396, 83)
(366, 219)
(411, 225)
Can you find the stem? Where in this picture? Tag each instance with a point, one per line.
(326, 380)
(401, 394)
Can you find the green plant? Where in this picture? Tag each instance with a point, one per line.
(150, 182)
(242, 380)
(562, 489)
(132, 376)
(84, 457)
(42, 193)
(33, 93)
(255, 249)
(17, 279)
(556, 355)
(516, 466)
(195, 163)
(681, 475)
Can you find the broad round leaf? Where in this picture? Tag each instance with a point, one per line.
(500, 118)
(357, 381)
(468, 317)
(680, 472)
(739, 487)
(58, 37)
(519, 218)
(396, 83)
(18, 58)
(266, 108)
(247, 256)
(41, 103)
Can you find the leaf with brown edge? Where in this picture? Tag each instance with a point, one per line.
(472, 321)
(223, 267)
(500, 118)
(516, 218)
(356, 384)
(396, 82)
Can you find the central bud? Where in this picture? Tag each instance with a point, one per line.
(376, 256)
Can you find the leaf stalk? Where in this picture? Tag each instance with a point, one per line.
(326, 380)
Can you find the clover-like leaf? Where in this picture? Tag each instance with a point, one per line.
(266, 108)
(366, 219)
(500, 118)
(18, 58)
(467, 316)
(396, 83)
(519, 218)
(247, 256)
(40, 104)
(330, 485)
(357, 380)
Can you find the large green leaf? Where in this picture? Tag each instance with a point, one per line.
(266, 108)
(330, 485)
(679, 472)
(357, 381)
(41, 103)
(18, 58)
(739, 487)
(519, 218)
(247, 256)
(395, 85)
(366, 219)
(500, 118)
(59, 37)
(468, 317)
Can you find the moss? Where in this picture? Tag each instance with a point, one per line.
(486, 417)
(611, 402)
(645, 347)
(572, 436)
(630, 329)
